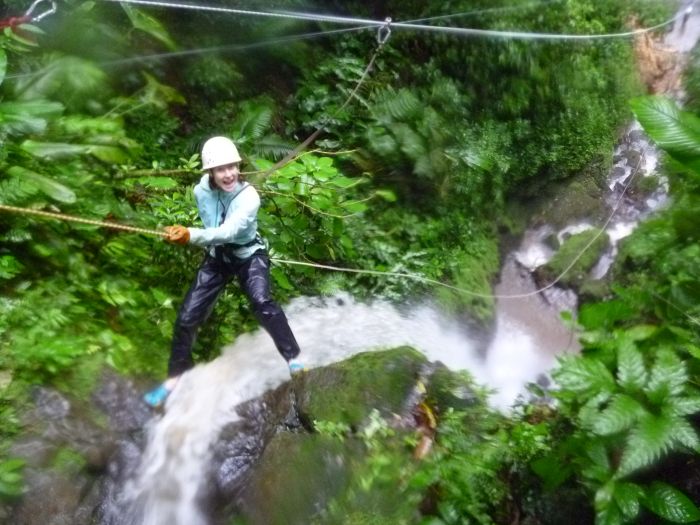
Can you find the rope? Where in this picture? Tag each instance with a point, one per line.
(61, 216)
(404, 25)
(382, 36)
(471, 292)
(73, 218)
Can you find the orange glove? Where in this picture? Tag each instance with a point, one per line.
(177, 234)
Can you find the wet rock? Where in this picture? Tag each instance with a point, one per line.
(636, 135)
(449, 390)
(50, 404)
(296, 478)
(633, 157)
(583, 250)
(618, 172)
(349, 391)
(53, 499)
(118, 397)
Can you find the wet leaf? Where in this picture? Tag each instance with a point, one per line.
(150, 25)
(48, 186)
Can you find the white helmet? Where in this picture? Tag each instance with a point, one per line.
(219, 151)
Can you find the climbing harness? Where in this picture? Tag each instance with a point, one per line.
(29, 15)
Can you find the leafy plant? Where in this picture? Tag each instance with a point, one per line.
(632, 392)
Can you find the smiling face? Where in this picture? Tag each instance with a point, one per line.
(226, 176)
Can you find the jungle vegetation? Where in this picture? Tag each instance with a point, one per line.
(103, 109)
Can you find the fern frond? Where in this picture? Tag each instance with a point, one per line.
(668, 376)
(631, 371)
(252, 122)
(584, 376)
(272, 146)
(589, 412)
(16, 190)
(399, 105)
(653, 437)
(685, 435)
(685, 406)
(410, 142)
(621, 414)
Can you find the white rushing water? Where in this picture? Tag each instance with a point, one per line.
(328, 330)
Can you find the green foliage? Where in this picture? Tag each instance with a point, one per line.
(676, 131)
(632, 390)
(11, 479)
(479, 465)
(576, 257)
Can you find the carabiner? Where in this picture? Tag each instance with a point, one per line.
(384, 31)
(28, 13)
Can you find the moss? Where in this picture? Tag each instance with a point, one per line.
(643, 187)
(279, 494)
(594, 291)
(576, 198)
(348, 391)
(68, 461)
(473, 268)
(448, 389)
(573, 247)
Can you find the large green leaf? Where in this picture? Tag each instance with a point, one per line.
(150, 25)
(668, 377)
(18, 118)
(48, 186)
(675, 131)
(584, 376)
(627, 497)
(57, 150)
(670, 503)
(72, 80)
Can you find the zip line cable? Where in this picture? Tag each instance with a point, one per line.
(403, 25)
(198, 51)
(384, 31)
(487, 10)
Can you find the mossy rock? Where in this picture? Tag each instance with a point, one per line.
(574, 247)
(296, 477)
(560, 202)
(447, 389)
(347, 392)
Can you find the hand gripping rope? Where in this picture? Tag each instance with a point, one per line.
(28, 15)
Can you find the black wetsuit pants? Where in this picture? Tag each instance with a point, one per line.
(214, 274)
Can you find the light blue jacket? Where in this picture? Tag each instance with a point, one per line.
(240, 225)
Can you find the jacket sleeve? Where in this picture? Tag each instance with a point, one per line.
(242, 218)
